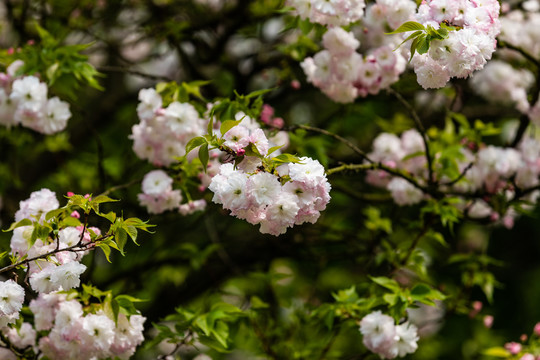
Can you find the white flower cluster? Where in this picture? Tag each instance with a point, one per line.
(62, 270)
(392, 151)
(383, 337)
(163, 133)
(465, 50)
(338, 12)
(23, 100)
(491, 169)
(520, 29)
(75, 333)
(158, 195)
(500, 83)
(11, 301)
(342, 73)
(261, 198)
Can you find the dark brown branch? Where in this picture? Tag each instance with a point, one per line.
(124, 70)
(74, 248)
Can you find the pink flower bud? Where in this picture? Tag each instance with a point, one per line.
(202, 188)
(70, 194)
(30, 42)
(10, 51)
(527, 356)
(267, 113)
(513, 347)
(75, 214)
(508, 222)
(278, 123)
(295, 84)
(523, 337)
(494, 216)
(537, 329)
(476, 307)
(240, 152)
(488, 321)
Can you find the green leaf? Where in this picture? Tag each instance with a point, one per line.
(286, 158)
(106, 250)
(103, 199)
(204, 156)
(195, 142)
(202, 324)
(221, 333)
(257, 303)
(407, 26)
(423, 45)
(346, 296)
(414, 45)
(413, 155)
(497, 351)
(121, 239)
(54, 213)
(125, 302)
(228, 125)
(274, 148)
(94, 291)
(257, 93)
(115, 310)
(111, 216)
(386, 283)
(40, 232)
(194, 88)
(23, 222)
(132, 232)
(391, 299)
(210, 127)
(413, 35)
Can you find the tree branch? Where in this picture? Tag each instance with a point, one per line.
(74, 248)
(421, 129)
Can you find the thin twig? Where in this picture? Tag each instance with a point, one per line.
(524, 120)
(124, 70)
(461, 176)
(420, 128)
(122, 186)
(381, 166)
(74, 248)
(213, 235)
(353, 147)
(526, 54)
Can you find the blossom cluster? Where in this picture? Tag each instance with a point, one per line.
(62, 270)
(383, 337)
(344, 74)
(340, 12)
(491, 169)
(158, 195)
(466, 49)
(275, 195)
(11, 301)
(267, 199)
(75, 332)
(162, 134)
(66, 328)
(499, 82)
(520, 28)
(24, 100)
